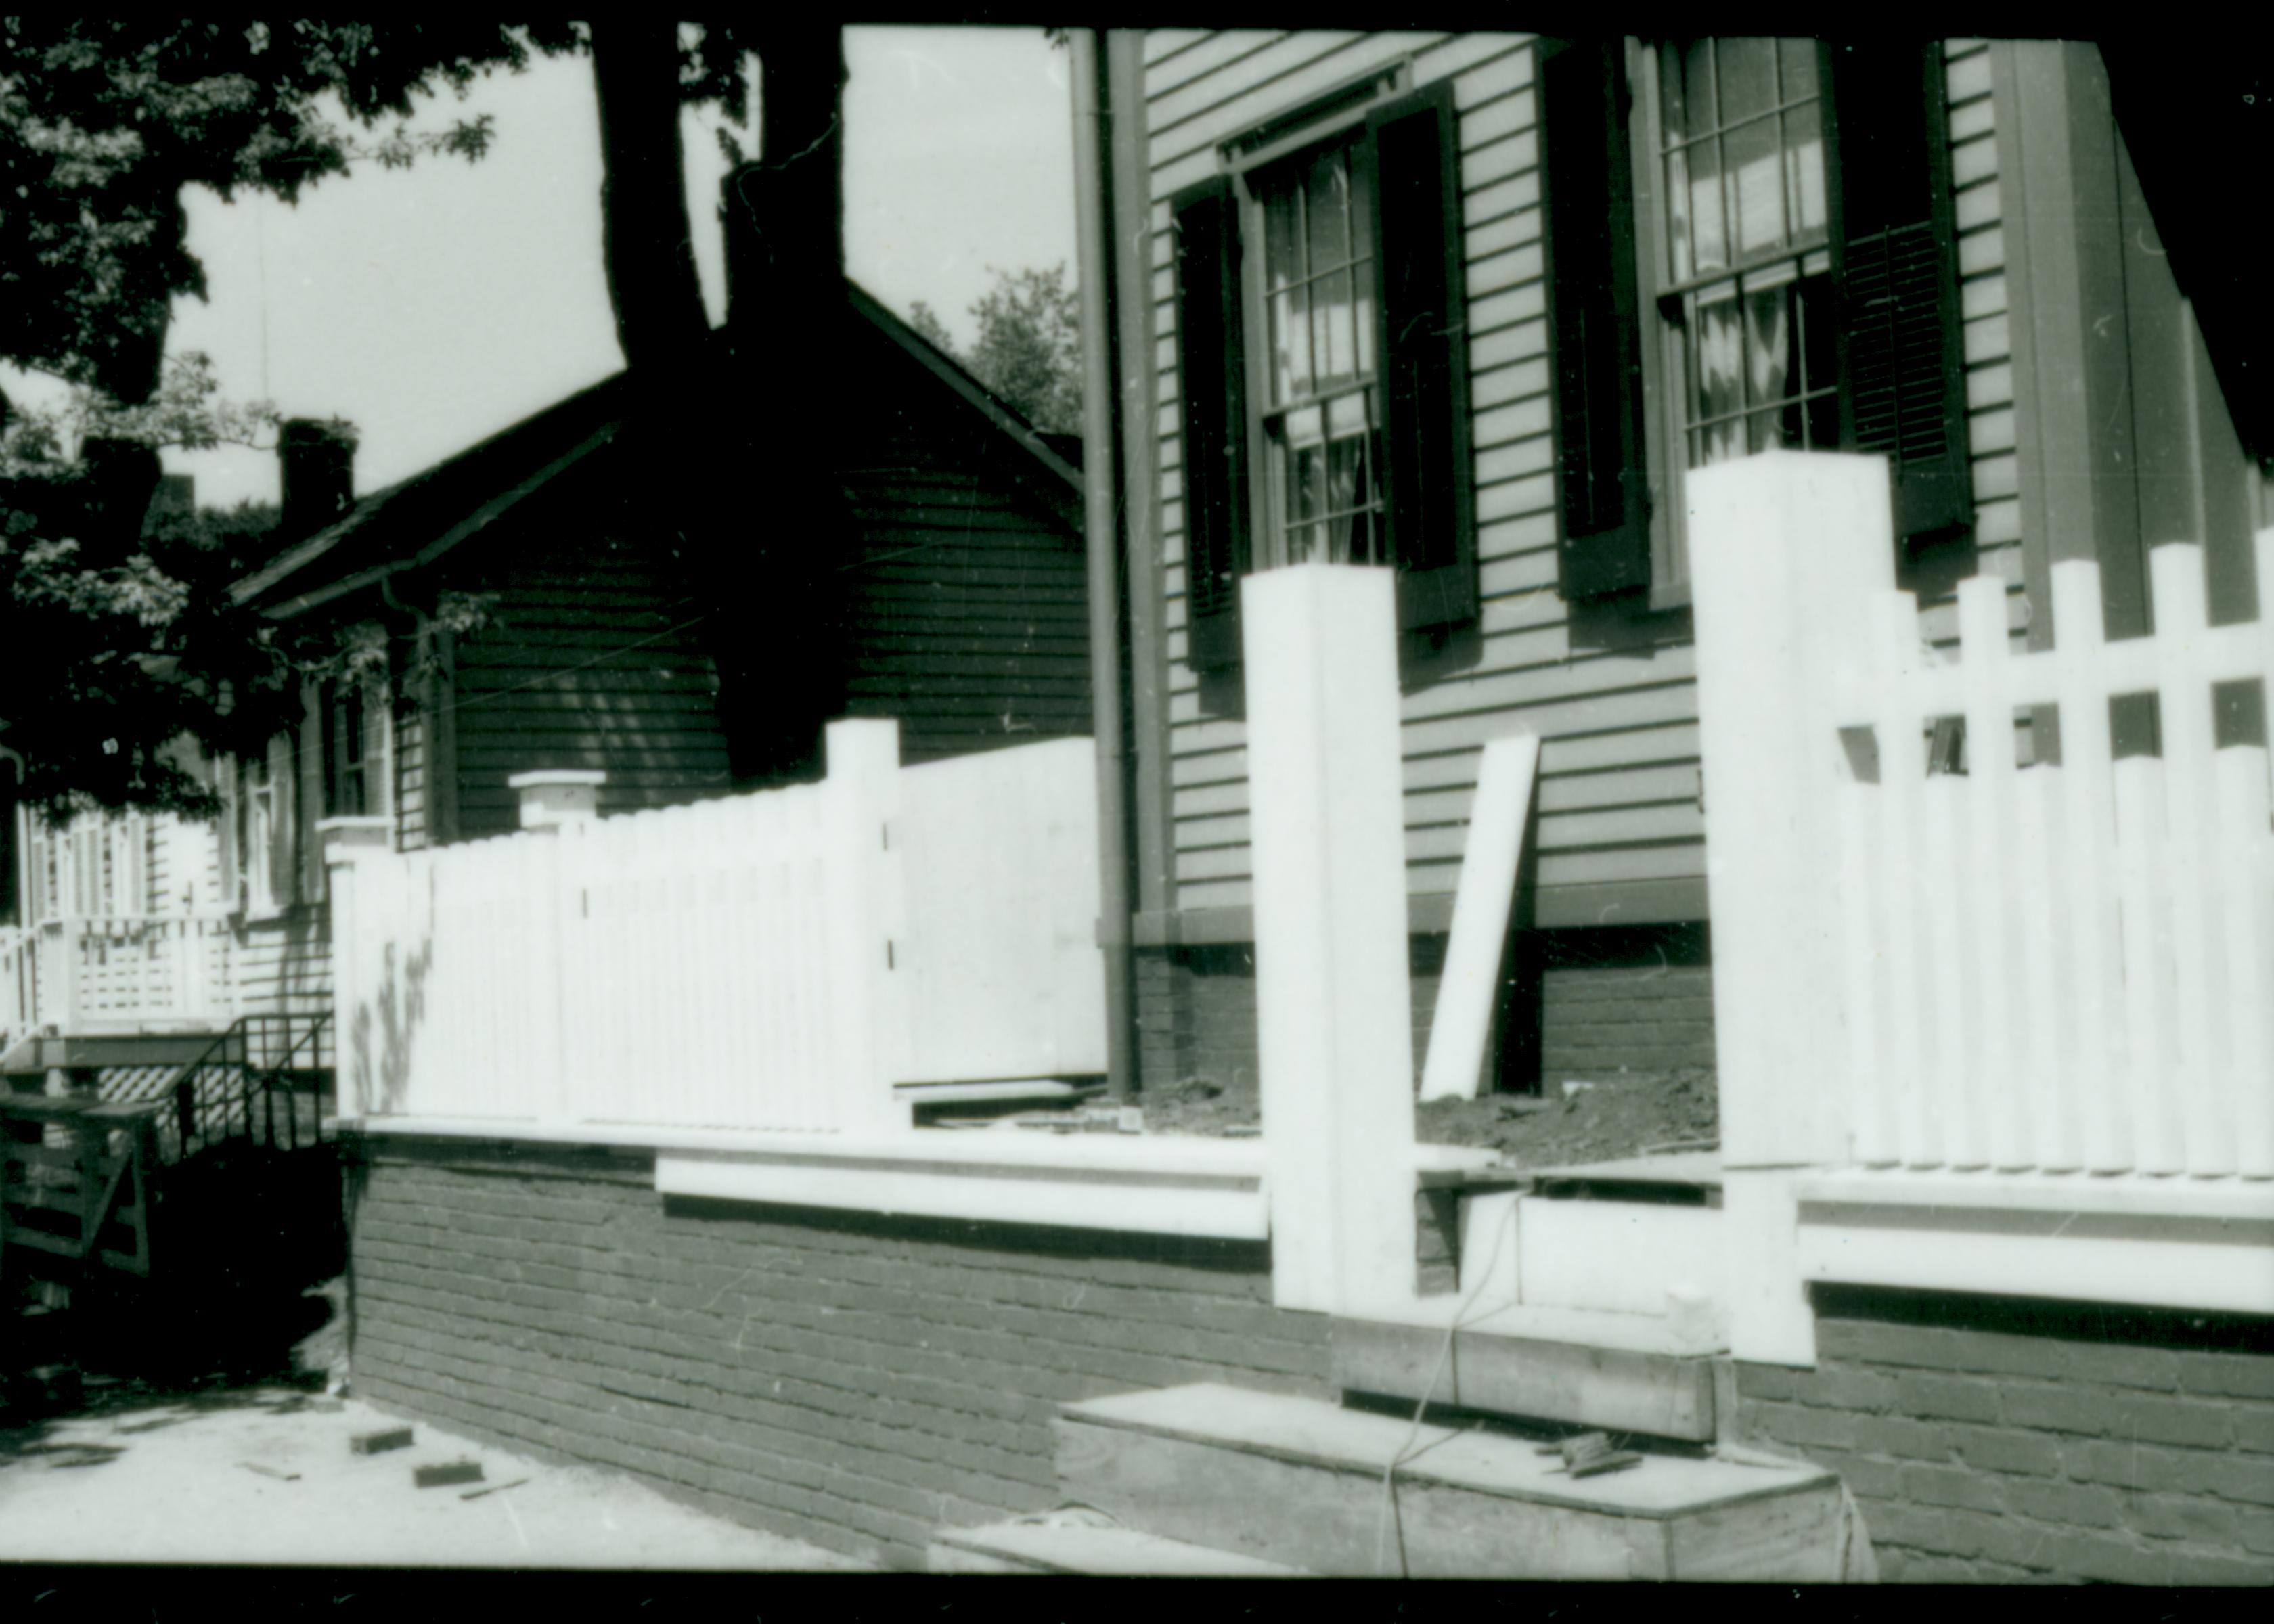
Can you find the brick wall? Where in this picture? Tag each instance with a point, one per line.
(1581, 1003)
(851, 1381)
(1993, 1440)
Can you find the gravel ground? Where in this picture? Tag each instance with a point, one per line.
(265, 1476)
(1578, 1121)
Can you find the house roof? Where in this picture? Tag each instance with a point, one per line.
(416, 520)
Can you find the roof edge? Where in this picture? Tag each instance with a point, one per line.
(951, 372)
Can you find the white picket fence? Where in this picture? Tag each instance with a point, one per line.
(766, 961)
(2050, 967)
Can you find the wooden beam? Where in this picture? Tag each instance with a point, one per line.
(1465, 993)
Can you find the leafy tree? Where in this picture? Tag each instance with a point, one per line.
(1029, 347)
(114, 642)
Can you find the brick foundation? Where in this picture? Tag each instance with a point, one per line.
(1989, 1440)
(1581, 1003)
(851, 1381)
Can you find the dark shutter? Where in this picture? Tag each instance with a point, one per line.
(1427, 477)
(1903, 360)
(1594, 326)
(1211, 374)
(308, 879)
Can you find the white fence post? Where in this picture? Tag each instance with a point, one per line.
(552, 801)
(347, 842)
(1786, 550)
(867, 1014)
(1787, 555)
(1334, 1022)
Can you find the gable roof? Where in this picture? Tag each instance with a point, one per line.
(416, 521)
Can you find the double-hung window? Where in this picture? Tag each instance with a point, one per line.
(1322, 356)
(1749, 248)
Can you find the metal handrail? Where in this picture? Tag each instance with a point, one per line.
(252, 1077)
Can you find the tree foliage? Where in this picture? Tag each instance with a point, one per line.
(1029, 347)
(115, 642)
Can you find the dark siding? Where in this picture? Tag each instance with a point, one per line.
(589, 660)
(967, 609)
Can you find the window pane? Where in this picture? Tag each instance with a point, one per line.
(1290, 335)
(1803, 170)
(1349, 489)
(1328, 206)
(1717, 363)
(1746, 76)
(1768, 348)
(1709, 240)
(1686, 88)
(1820, 357)
(1677, 210)
(1756, 185)
(1796, 69)
(1334, 347)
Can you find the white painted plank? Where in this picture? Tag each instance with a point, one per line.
(1466, 993)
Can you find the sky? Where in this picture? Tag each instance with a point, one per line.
(433, 306)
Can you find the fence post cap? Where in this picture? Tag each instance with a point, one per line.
(552, 796)
(343, 838)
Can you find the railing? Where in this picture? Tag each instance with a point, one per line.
(775, 960)
(2067, 966)
(90, 973)
(264, 1080)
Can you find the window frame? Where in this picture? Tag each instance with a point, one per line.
(1427, 517)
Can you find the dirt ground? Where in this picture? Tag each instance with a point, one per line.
(265, 1476)
(1566, 1122)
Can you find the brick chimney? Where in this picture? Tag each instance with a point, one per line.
(318, 466)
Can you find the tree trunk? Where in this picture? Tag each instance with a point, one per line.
(646, 240)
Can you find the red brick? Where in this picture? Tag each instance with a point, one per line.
(2139, 1466)
(1921, 1527)
(2185, 1517)
(1929, 1484)
(1900, 1435)
(2116, 1365)
(2253, 1427)
(1850, 1386)
(2234, 1375)
(1775, 1382)
(2078, 1504)
(1955, 1398)
(2114, 1558)
(2246, 1477)
(1871, 1341)
(1795, 1424)
(2005, 1449)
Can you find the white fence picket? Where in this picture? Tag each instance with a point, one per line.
(2244, 857)
(1996, 942)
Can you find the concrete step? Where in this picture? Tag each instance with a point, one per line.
(1628, 1372)
(1305, 1482)
(1053, 1544)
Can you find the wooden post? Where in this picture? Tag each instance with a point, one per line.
(1335, 1022)
(346, 841)
(561, 802)
(1486, 894)
(1787, 552)
(867, 1011)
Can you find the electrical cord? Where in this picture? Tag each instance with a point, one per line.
(1389, 1518)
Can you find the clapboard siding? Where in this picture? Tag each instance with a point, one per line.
(283, 964)
(967, 596)
(1619, 782)
(592, 659)
(1620, 785)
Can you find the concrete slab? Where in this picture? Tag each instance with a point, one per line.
(1034, 1545)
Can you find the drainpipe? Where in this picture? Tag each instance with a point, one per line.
(1101, 490)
